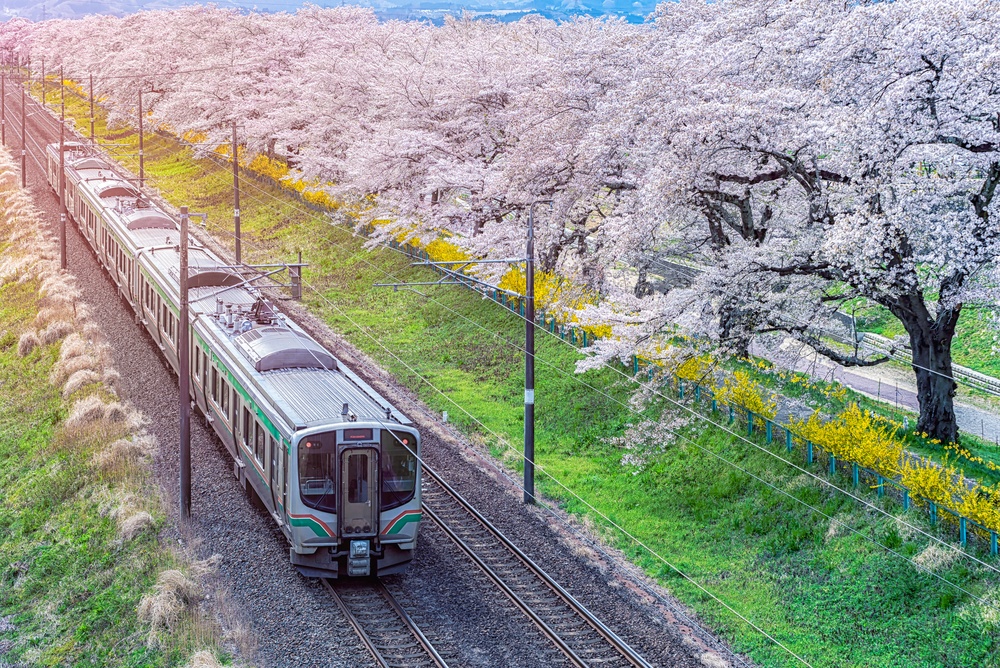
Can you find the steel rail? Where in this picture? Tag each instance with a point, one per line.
(408, 627)
(623, 650)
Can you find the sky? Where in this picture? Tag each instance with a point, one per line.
(434, 10)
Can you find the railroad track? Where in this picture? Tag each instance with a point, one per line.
(582, 638)
(391, 636)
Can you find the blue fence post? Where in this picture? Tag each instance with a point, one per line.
(715, 405)
(809, 452)
(962, 532)
(584, 338)
(732, 415)
(881, 486)
(906, 499)
(833, 464)
(572, 336)
(520, 304)
(649, 372)
(562, 332)
(697, 393)
(768, 434)
(854, 474)
(503, 299)
(933, 512)
(680, 389)
(993, 543)
(635, 367)
(788, 441)
(749, 423)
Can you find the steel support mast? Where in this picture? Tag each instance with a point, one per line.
(184, 376)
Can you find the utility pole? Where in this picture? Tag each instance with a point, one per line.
(236, 198)
(529, 359)
(142, 168)
(43, 82)
(62, 174)
(91, 107)
(24, 142)
(184, 371)
(3, 108)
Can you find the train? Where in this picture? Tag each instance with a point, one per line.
(335, 464)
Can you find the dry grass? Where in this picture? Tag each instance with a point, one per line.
(64, 370)
(28, 342)
(55, 331)
(936, 557)
(78, 381)
(173, 596)
(85, 413)
(203, 659)
(125, 452)
(125, 415)
(135, 524)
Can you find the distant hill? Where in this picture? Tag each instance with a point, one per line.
(432, 10)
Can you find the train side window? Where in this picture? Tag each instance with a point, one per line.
(197, 363)
(258, 441)
(225, 400)
(272, 451)
(246, 425)
(234, 401)
(215, 381)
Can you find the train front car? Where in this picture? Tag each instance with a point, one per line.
(355, 502)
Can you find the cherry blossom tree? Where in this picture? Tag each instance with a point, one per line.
(813, 153)
(802, 153)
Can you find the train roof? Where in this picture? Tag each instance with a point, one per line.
(302, 380)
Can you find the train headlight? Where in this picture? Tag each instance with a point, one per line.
(359, 549)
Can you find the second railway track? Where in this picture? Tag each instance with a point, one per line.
(577, 633)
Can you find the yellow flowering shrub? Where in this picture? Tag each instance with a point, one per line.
(441, 250)
(740, 390)
(265, 166)
(695, 369)
(940, 484)
(981, 505)
(856, 436)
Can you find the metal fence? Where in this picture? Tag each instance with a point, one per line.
(965, 529)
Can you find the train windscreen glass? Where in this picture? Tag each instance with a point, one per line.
(317, 472)
(399, 468)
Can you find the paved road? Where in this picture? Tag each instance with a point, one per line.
(890, 385)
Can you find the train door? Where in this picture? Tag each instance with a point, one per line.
(359, 492)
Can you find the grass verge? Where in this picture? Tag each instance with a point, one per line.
(84, 579)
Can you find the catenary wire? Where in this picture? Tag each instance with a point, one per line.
(740, 436)
(714, 454)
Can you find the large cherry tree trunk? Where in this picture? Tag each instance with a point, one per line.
(930, 340)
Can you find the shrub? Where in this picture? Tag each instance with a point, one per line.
(740, 390)
(856, 436)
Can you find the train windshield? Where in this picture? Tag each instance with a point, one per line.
(399, 468)
(317, 472)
